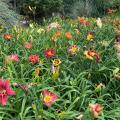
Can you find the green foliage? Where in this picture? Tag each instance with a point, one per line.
(76, 85)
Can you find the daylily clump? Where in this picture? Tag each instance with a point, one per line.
(61, 69)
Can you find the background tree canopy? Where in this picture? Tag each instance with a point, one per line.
(45, 8)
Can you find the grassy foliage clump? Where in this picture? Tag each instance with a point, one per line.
(74, 59)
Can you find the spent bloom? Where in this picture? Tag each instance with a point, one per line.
(34, 58)
(95, 109)
(73, 49)
(49, 53)
(5, 91)
(13, 57)
(49, 97)
(7, 36)
(27, 45)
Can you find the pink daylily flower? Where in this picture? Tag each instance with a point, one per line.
(13, 57)
(95, 109)
(5, 91)
(49, 97)
(27, 45)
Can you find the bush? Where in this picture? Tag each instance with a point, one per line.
(74, 8)
(7, 16)
(43, 8)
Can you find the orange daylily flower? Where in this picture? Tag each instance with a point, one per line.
(68, 35)
(7, 36)
(56, 35)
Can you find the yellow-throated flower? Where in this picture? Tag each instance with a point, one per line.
(92, 54)
(73, 49)
(56, 62)
(99, 87)
(90, 36)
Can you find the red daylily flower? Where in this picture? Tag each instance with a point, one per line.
(49, 53)
(7, 36)
(33, 58)
(49, 97)
(117, 37)
(13, 57)
(95, 109)
(27, 45)
(5, 91)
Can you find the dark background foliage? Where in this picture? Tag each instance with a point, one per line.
(47, 8)
(69, 8)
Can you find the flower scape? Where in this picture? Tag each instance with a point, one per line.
(65, 70)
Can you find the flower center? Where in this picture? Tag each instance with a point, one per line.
(47, 99)
(2, 91)
(74, 49)
(50, 53)
(90, 37)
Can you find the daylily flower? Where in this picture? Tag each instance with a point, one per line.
(117, 37)
(55, 72)
(68, 35)
(99, 23)
(99, 87)
(92, 54)
(118, 54)
(73, 49)
(12, 57)
(90, 36)
(56, 62)
(49, 53)
(5, 91)
(53, 25)
(49, 97)
(117, 46)
(61, 114)
(116, 70)
(34, 58)
(7, 36)
(56, 35)
(37, 72)
(95, 109)
(111, 10)
(27, 45)
(84, 21)
(117, 76)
